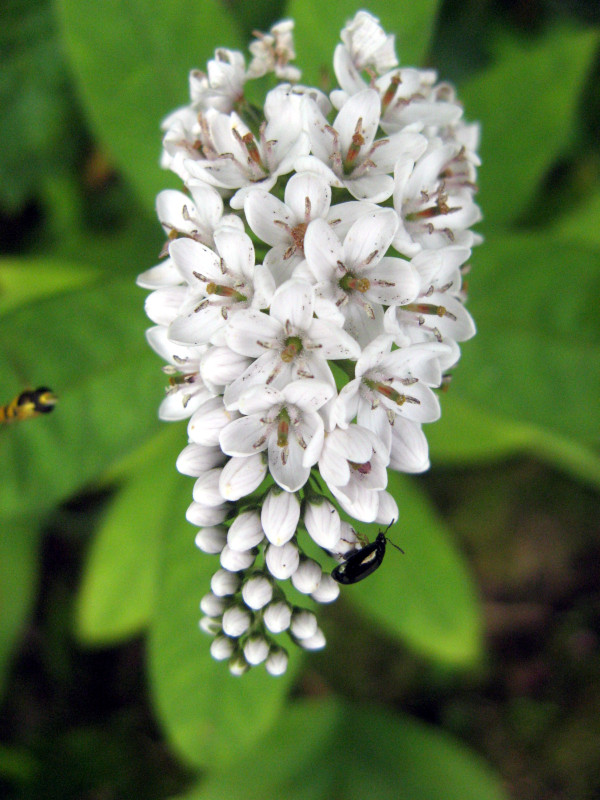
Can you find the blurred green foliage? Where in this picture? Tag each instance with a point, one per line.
(82, 94)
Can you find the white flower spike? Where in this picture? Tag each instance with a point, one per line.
(308, 305)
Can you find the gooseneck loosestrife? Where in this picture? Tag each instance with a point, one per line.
(305, 377)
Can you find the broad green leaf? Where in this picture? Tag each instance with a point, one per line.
(383, 756)
(526, 104)
(209, 716)
(535, 356)
(425, 597)
(318, 27)
(132, 63)
(116, 597)
(581, 225)
(88, 345)
(466, 434)
(19, 544)
(27, 281)
(36, 101)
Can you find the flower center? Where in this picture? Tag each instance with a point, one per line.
(293, 346)
(358, 141)
(283, 428)
(352, 283)
(225, 291)
(362, 469)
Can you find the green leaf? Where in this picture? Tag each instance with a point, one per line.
(426, 597)
(318, 27)
(116, 597)
(19, 543)
(534, 299)
(36, 102)
(209, 716)
(88, 345)
(468, 435)
(386, 757)
(526, 104)
(132, 63)
(581, 225)
(24, 282)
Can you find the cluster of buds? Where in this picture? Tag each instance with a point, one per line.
(305, 377)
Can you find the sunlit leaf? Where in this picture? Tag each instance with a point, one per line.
(526, 103)
(116, 597)
(386, 756)
(425, 597)
(209, 716)
(132, 63)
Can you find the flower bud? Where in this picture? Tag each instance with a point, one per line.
(279, 516)
(304, 623)
(283, 561)
(224, 583)
(236, 621)
(256, 649)
(277, 616)
(245, 532)
(257, 592)
(277, 661)
(306, 578)
(211, 540)
(236, 561)
(222, 647)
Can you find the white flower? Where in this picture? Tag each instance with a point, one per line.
(273, 51)
(284, 422)
(395, 381)
(367, 44)
(187, 391)
(220, 284)
(283, 225)
(288, 343)
(223, 87)
(355, 278)
(438, 312)
(435, 206)
(235, 158)
(346, 153)
(353, 464)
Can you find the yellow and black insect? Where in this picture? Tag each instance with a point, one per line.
(28, 404)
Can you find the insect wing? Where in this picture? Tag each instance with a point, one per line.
(361, 563)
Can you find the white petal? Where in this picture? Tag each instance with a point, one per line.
(371, 234)
(286, 465)
(242, 437)
(293, 302)
(237, 250)
(308, 394)
(322, 249)
(268, 217)
(364, 105)
(248, 329)
(192, 257)
(305, 186)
